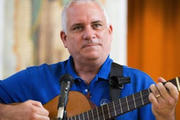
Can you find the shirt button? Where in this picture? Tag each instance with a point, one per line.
(86, 90)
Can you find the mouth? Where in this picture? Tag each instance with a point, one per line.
(90, 45)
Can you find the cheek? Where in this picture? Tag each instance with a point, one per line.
(73, 44)
(106, 40)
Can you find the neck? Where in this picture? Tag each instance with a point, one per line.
(87, 69)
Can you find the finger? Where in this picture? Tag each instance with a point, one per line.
(154, 90)
(38, 107)
(153, 99)
(40, 111)
(161, 79)
(40, 117)
(35, 103)
(172, 90)
(43, 110)
(163, 91)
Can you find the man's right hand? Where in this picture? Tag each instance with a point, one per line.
(28, 110)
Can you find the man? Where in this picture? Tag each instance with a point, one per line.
(87, 35)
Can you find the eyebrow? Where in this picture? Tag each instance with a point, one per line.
(79, 24)
(76, 24)
(97, 21)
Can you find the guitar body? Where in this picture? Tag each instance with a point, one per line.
(77, 103)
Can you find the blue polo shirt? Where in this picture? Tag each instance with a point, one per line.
(41, 83)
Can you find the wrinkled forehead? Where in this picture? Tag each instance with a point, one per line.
(85, 12)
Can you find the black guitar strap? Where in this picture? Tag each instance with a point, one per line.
(117, 81)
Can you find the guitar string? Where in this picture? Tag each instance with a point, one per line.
(144, 96)
(123, 102)
(131, 101)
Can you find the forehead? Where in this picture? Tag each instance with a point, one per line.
(84, 12)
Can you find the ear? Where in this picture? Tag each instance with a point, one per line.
(63, 38)
(110, 28)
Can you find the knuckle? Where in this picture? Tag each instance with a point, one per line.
(168, 84)
(33, 110)
(39, 103)
(26, 104)
(151, 97)
(171, 102)
(158, 107)
(159, 84)
(176, 97)
(151, 86)
(33, 116)
(47, 112)
(28, 101)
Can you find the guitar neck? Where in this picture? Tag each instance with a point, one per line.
(120, 106)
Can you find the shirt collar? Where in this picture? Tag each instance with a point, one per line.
(103, 72)
(70, 68)
(105, 69)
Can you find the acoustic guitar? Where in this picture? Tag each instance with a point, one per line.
(80, 108)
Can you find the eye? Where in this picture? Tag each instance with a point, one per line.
(97, 26)
(77, 28)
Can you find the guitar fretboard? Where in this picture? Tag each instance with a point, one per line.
(119, 106)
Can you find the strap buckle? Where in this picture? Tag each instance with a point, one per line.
(118, 82)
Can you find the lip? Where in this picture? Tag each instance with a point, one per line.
(90, 45)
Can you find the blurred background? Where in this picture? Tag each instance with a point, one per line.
(146, 35)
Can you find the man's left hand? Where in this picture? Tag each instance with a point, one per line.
(164, 99)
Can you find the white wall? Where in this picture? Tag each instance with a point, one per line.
(7, 56)
(1, 36)
(117, 11)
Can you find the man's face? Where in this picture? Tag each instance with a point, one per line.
(88, 36)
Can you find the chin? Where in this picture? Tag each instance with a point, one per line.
(94, 56)
(91, 56)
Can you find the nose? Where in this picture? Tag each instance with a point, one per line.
(88, 34)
